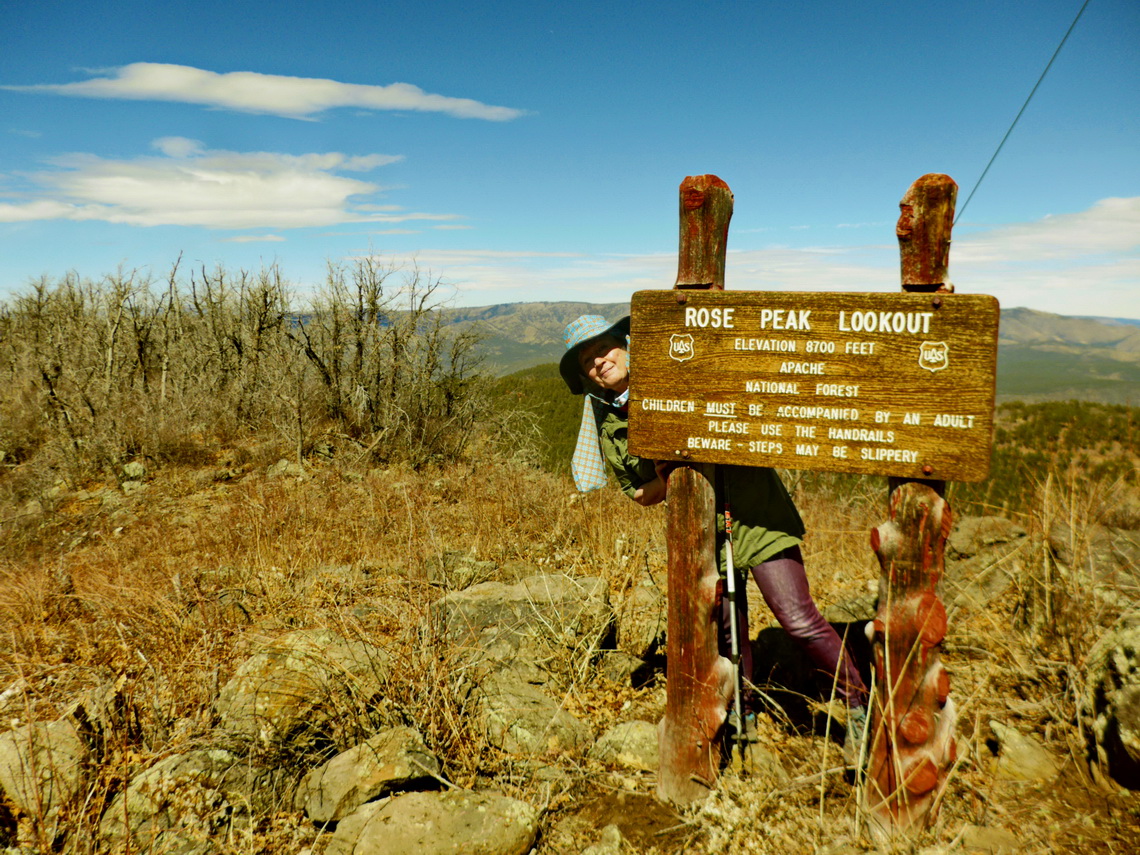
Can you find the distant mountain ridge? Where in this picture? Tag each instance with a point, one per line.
(522, 335)
(1027, 326)
(1131, 322)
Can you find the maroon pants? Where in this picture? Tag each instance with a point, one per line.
(783, 582)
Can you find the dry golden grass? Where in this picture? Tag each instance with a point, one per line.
(170, 588)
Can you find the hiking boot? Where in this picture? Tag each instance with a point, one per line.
(857, 723)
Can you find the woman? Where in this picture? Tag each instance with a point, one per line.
(767, 529)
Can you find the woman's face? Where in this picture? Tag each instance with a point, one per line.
(606, 362)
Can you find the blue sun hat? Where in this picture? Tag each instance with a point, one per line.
(587, 465)
(582, 331)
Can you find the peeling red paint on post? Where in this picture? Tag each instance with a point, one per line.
(699, 679)
(922, 777)
(912, 741)
(930, 619)
(942, 691)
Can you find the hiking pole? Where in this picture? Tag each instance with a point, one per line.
(734, 631)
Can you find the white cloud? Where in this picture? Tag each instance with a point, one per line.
(188, 185)
(254, 239)
(491, 256)
(275, 94)
(42, 209)
(177, 146)
(1110, 226)
(1082, 263)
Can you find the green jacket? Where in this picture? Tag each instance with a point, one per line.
(764, 518)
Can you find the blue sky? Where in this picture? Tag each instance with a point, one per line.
(532, 151)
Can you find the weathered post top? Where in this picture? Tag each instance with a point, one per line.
(705, 211)
(926, 217)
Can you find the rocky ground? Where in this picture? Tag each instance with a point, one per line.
(285, 658)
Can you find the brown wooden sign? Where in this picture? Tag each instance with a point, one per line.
(889, 384)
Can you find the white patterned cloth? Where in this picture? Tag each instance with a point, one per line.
(587, 465)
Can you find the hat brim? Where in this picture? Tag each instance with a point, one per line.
(568, 367)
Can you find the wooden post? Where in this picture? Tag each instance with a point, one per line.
(699, 679)
(912, 724)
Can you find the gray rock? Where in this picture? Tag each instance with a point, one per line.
(992, 841)
(631, 744)
(222, 607)
(548, 773)
(641, 621)
(520, 718)
(102, 711)
(983, 557)
(1112, 701)
(1087, 543)
(42, 768)
(183, 803)
(16, 694)
(109, 500)
(570, 606)
(393, 760)
(348, 830)
(132, 487)
(457, 822)
(458, 570)
(286, 469)
(1023, 758)
(610, 842)
(619, 667)
(1109, 558)
(134, 471)
(515, 571)
(298, 684)
(555, 621)
(971, 535)
(1126, 548)
(761, 762)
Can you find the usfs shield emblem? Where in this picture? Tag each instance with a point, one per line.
(934, 355)
(681, 346)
